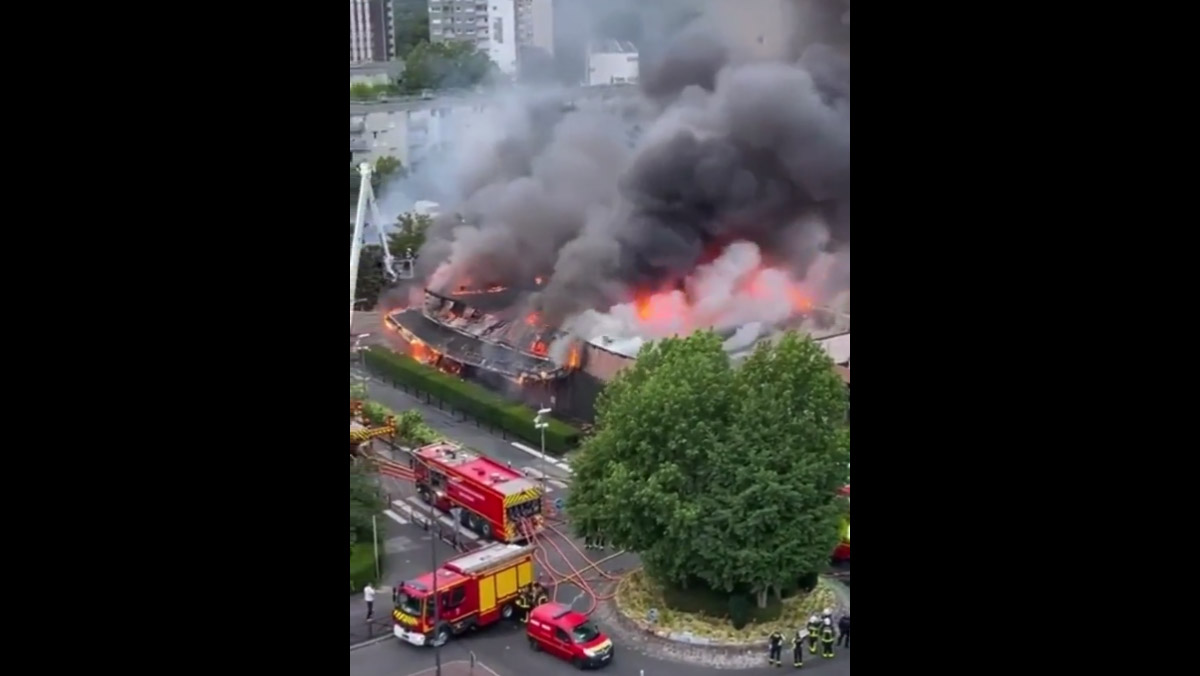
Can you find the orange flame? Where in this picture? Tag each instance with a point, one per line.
(532, 319)
(573, 357)
(538, 280)
(538, 348)
(642, 303)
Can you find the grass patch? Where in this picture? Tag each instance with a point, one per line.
(472, 399)
(362, 566)
(706, 613)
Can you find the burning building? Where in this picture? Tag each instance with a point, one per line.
(570, 241)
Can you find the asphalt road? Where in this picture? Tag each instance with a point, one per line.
(504, 651)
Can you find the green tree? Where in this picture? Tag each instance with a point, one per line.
(361, 91)
(387, 166)
(444, 65)
(714, 474)
(409, 234)
(412, 24)
(371, 278)
(366, 500)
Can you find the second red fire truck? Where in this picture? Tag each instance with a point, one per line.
(496, 501)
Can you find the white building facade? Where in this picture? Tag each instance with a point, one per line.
(612, 63)
(490, 25)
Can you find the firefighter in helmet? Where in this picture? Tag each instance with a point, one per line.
(798, 649)
(827, 637)
(774, 647)
(523, 604)
(814, 628)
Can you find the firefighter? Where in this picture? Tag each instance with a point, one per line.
(539, 594)
(523, 604)
(775, 643)
(798, 649)
(814, 628)
(827, 638)
(844, 631)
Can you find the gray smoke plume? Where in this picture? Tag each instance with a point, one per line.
(739, 143)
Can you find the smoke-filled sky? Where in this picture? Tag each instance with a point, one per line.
(744, 138)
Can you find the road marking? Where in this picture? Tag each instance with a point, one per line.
(537, 475)
(373, 641)
(478, 665)
(538, 454)
(395, 517)
(414, 500)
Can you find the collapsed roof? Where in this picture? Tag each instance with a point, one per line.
(462, 328)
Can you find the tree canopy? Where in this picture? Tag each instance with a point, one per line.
(445, 65)
(409, 234)
(412, 24)
(371, 279)
(718, 474)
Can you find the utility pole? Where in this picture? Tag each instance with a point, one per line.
(540, 424)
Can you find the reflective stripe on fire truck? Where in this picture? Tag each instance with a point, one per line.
(523, 496)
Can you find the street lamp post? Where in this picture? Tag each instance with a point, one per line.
(540, 424)
(360, 350)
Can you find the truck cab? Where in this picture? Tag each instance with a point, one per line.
(413, 615)
(569, 635)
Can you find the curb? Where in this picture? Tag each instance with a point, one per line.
(710, 654)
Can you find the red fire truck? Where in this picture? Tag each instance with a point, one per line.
(496, 501)
(475, 590)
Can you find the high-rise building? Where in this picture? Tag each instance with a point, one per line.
(535, 24)
(491, 25)
(372, 31)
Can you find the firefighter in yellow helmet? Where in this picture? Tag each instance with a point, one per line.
(774, 647)
(827, 637)
(798, 649)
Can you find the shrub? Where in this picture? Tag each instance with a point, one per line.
(740, 609)
(362, 565)
(698, 598)
(471, 399)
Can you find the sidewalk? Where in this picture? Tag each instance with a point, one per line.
(406, 554)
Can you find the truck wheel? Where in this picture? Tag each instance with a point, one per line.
(577, 663)
(485, 530)
(507, 611)
(425, 497)
(535, 646)
(442, 635)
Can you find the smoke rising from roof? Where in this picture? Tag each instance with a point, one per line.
(742, 141)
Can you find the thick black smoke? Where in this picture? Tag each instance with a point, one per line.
(737, 149)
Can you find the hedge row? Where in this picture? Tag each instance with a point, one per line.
(362, 565)
(471, 399)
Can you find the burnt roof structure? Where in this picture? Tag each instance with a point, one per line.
(482, 329)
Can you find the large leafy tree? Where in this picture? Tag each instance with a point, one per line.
(412, 24)
(445, 65)
(371, 278)
(409, 233)
(719, 474)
